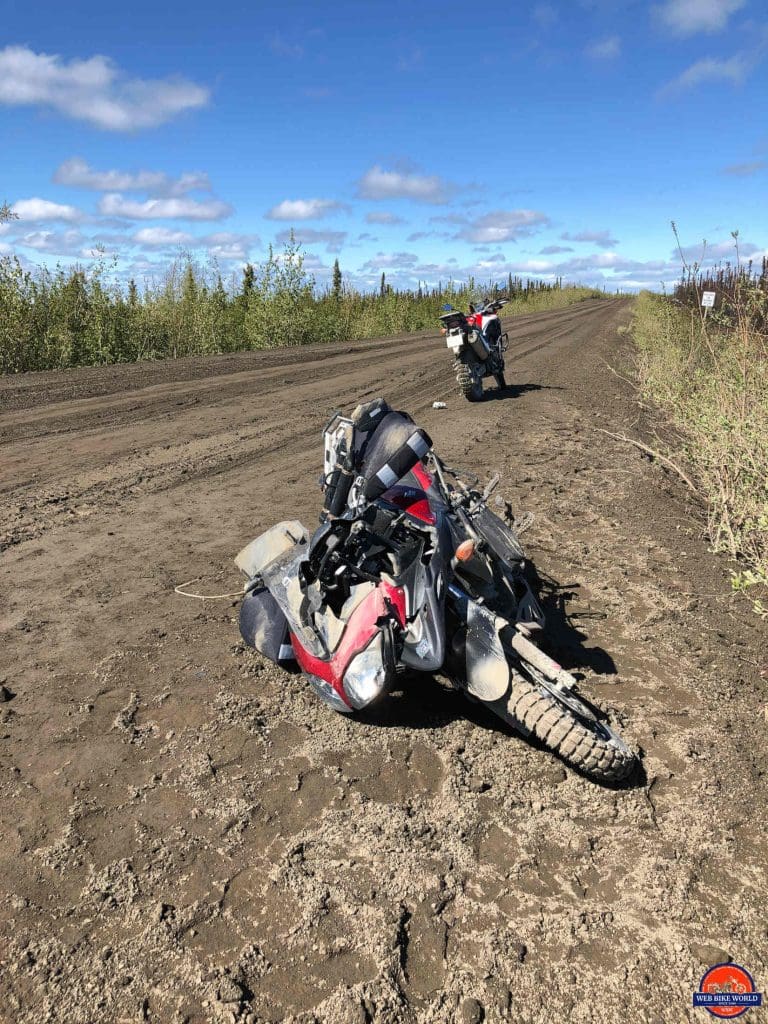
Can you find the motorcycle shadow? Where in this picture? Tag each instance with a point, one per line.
(565, 634)
(516, 391)
(421, 701)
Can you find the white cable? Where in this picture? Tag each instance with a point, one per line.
(203, 597)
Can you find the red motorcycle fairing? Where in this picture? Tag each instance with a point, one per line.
(424, 478)
(385, 601)
(412, 500)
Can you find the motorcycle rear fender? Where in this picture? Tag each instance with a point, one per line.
(455, 341)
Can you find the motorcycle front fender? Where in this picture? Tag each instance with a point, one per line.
(486, 674)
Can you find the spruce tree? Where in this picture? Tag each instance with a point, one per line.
(336, 287)
(249, 278)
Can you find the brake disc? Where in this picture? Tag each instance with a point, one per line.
(569, 700)
(561, 694)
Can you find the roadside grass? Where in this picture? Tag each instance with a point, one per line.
(711, 376)
(81, 317)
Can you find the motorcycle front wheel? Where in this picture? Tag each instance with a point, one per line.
(568, 727)
(469, 385)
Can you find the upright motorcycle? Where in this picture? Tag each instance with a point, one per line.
(478, 344)
(410, 570)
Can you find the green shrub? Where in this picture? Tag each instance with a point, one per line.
(81, 317)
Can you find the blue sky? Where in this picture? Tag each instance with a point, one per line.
(425, 140)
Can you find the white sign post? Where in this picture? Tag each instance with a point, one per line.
(707, 301)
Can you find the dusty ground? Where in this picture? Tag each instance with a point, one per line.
(187, 835)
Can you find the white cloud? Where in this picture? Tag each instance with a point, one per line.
(226, 245)
(332, 240)
(284, 47)
(503, 226)
(378, 183)
(44, 210)
(744, 170)
(687, 17)
(303, 209)
(410, 59)
(604, 49)
(77, 173)
(602, 238)
(223, 245)
(711, 69)
(382, 217)
(711, 252)
(176, 208)
(391, 261)
(93, 90)
(55, 243)
(544, 15)
(161, 238)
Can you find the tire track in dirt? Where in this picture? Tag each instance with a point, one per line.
(165, 466)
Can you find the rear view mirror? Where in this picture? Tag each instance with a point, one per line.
(394, 449)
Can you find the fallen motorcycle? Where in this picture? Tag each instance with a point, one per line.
(410, 570)
(478, 345)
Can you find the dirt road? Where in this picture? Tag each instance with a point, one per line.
(187, 835)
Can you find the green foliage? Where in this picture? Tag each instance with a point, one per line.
(712, 376)
(80, 317)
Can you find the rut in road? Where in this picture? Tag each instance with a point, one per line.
(181, 824)
(166, 435)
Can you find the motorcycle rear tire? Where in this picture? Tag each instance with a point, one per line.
(588, 746)
(469, 385)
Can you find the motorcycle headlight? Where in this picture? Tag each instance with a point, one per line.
(366, 675)
(327, 693)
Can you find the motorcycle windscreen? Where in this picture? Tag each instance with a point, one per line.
(393, 449)
(264, 627)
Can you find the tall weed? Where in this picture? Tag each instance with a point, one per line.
(711, 374)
